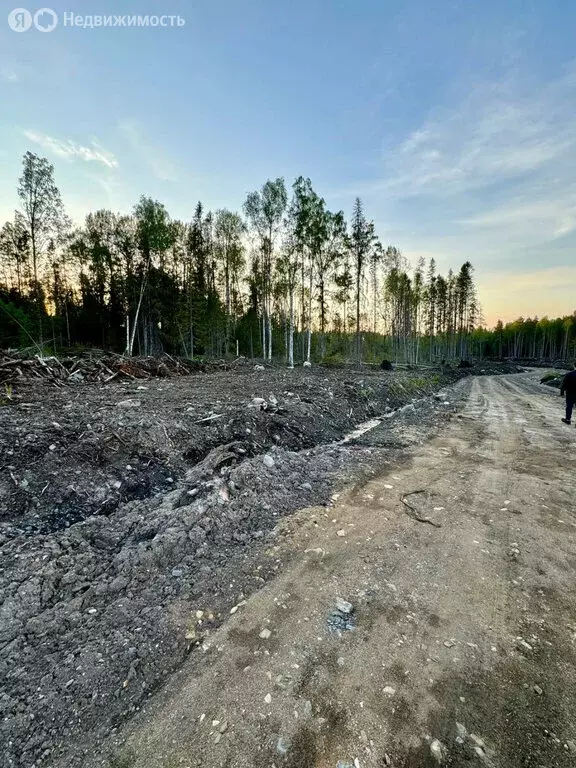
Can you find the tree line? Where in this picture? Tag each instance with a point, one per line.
(535, 339)
(284, 279)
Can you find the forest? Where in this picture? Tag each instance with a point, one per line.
(283, 279)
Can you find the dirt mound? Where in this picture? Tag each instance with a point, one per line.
(71, 452)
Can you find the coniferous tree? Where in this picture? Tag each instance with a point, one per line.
(145, 283)
(362, 241)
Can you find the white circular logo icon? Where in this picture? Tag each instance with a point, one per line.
(45, 20)
(20, 20)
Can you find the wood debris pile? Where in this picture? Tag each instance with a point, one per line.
(104, 367)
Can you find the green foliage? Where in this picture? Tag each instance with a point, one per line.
(16, 322)
(6, 398)
(363, 241)
(154, 230)
(534, 339)
(550, 377)
(366, 393)
(415, 385)
(289, 282)
(334, 360)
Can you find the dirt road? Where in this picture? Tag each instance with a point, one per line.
(460, 648)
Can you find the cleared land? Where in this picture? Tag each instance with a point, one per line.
(98, 614)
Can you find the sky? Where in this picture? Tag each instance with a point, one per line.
(454, 121)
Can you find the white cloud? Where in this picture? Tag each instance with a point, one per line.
(500, 132)
(550, 218)
(9, 75)
(158, 163)
(415, 140)
(490, 178)
(70, 150)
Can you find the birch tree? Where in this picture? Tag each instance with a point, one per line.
(41, 216)
(265, 210)
(228, 230)
(155, 236)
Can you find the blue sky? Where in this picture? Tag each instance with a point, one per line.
(454, 121)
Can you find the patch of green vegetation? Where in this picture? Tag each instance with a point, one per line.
(366, 393)
(550, 377)
(76, 350)
(414, 385)
(7, 398)
(333, 361)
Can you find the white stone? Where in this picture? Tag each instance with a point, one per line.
(343, 605)
(437, 751)
(462, 731)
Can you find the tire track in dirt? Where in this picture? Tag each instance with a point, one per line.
(469, 623)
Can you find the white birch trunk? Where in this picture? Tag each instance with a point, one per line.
(291, 332)
(137, 315)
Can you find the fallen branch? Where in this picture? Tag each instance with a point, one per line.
(102, 367)
(209, 418)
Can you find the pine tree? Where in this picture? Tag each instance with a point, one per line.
(362, 241)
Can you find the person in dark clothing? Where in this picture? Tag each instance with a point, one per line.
(568, 388)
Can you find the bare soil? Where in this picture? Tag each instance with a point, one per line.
(71, 452)
(128, 508)
(462, 648)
